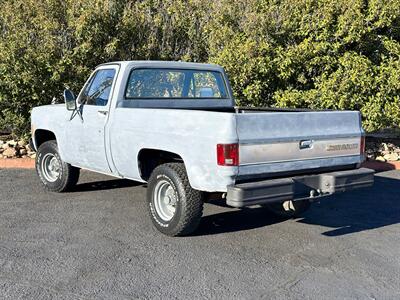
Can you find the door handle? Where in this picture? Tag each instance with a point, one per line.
(103, 112)
(306, 144)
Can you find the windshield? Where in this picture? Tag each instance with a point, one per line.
(174, 83)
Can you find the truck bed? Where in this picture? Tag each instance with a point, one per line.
(271, 139)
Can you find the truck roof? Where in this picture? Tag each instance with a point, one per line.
(166, 64)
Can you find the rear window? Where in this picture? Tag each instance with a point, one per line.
(175, 84)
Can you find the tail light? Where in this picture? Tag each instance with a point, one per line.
(362, 145)
(228, 154)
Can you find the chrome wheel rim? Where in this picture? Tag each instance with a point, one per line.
(50, 167)
(165, 199)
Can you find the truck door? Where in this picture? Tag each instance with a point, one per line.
(86, 135)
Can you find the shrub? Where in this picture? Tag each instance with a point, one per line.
(342, 54)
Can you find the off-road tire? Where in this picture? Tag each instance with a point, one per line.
(189, 204)
(68, 175)
(295, 209)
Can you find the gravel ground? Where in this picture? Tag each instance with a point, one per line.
(98, 242)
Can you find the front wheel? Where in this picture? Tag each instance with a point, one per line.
(55, 174)
(174, 206)
(288, 209)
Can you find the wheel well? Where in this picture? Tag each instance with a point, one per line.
(149, 159)
(42, 136)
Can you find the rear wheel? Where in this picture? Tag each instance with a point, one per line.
(174, 206)
(288, 209)
(55, 174)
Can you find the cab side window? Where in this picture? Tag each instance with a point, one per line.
(97, 91)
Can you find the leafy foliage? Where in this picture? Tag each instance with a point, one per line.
(341, 54)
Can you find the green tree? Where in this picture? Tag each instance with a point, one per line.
(341, 54)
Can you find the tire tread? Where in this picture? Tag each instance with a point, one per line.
(193, 211)
(70, 173)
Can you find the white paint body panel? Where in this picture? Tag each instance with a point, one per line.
(191, 134)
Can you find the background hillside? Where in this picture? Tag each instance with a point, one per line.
(339, 54)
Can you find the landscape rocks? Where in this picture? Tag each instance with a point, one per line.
(15, 149)
(10, 152)
(383, 149)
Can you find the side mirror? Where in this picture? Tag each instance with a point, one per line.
(69, 98)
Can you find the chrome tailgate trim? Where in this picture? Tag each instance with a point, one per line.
(251, 154)
(293, 165)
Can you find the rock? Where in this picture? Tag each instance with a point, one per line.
(23, 151)
(10, 152)
(385, 147)
(380, 158)
(5, 146)
(391, 156)
(1, 156)
(391, 145)
(33, 155)
(385, 152)
(22, 143)
(1, 143)
(12, 143)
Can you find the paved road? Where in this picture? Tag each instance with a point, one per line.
(98, 242)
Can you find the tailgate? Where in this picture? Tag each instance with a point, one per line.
(272, 142)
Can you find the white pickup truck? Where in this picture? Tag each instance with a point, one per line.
(175, 126)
